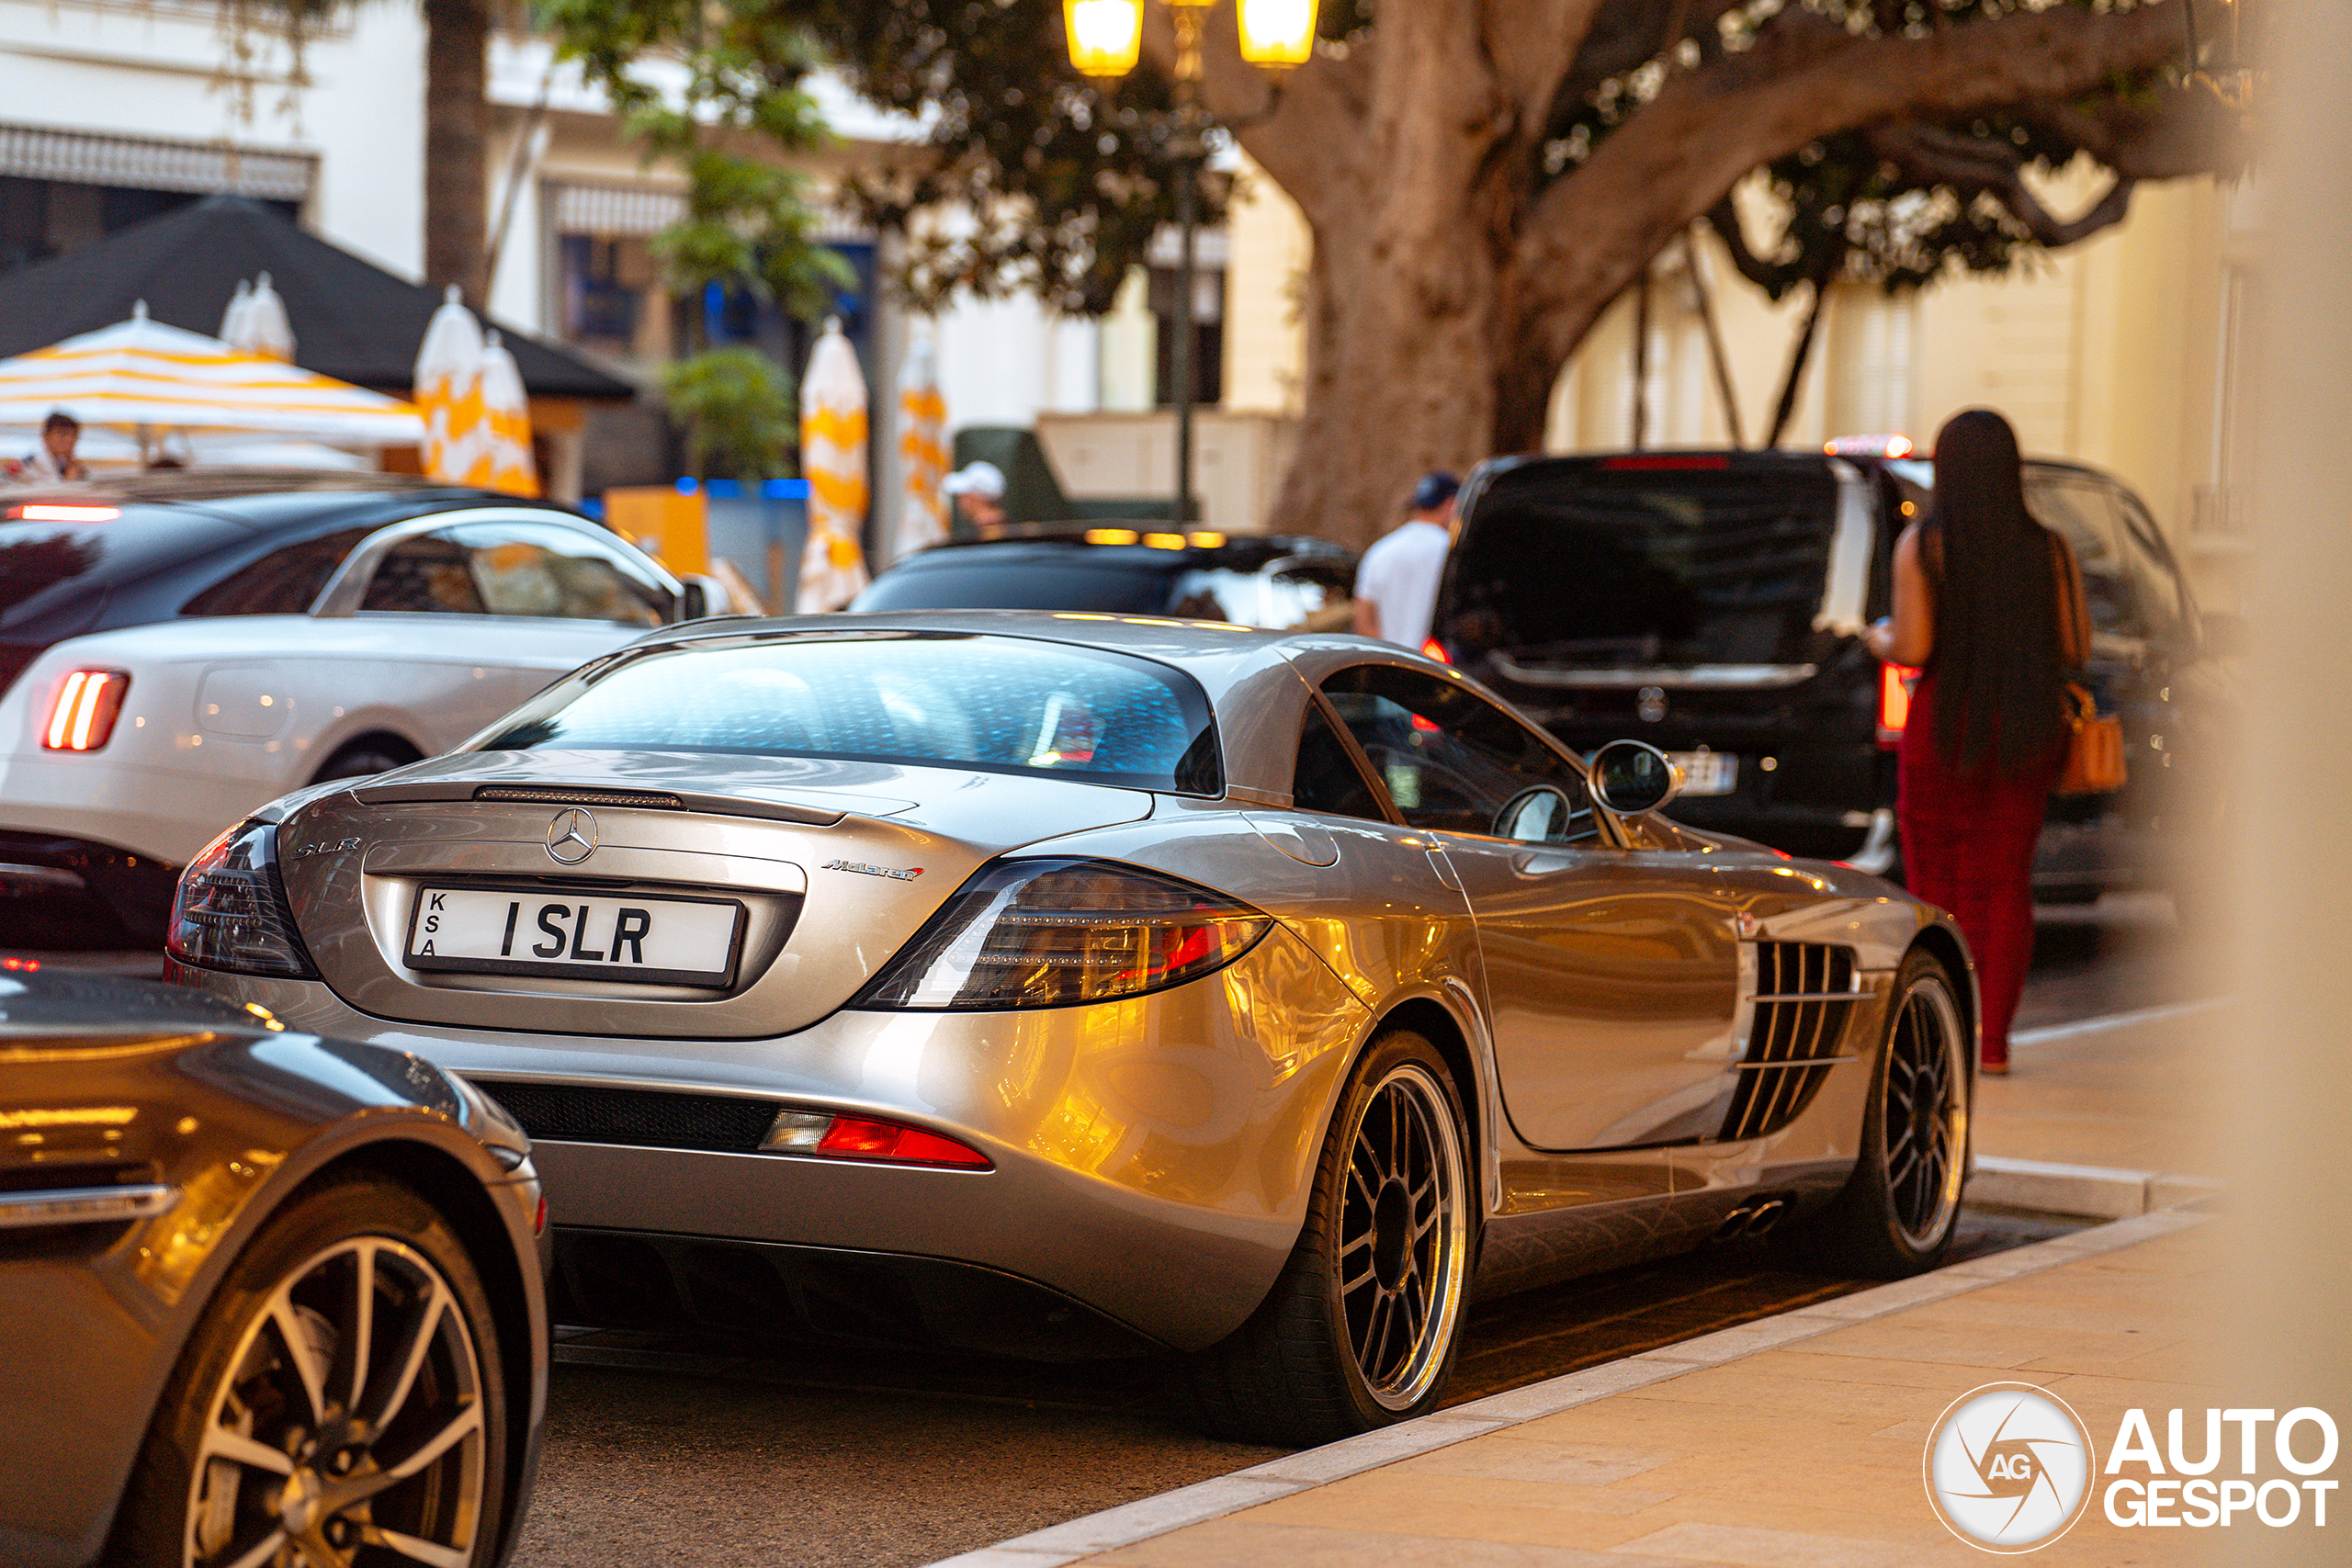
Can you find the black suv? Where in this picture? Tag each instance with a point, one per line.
(1713, 603)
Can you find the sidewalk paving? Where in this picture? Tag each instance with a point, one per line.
(1794, 1440)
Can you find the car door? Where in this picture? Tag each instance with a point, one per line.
(1610, 973)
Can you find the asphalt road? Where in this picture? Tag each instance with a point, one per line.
(671, 1449)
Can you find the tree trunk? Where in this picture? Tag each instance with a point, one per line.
(457, 138)
(1451, 282)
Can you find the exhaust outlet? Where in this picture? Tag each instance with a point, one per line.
(1765, 1217)
(1736, 1223)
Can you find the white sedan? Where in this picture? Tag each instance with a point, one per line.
(174, 652)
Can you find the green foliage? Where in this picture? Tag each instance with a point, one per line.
(739, 411)
(749, 224)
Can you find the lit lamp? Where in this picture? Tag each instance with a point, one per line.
(1277, 34)
(1104, 35)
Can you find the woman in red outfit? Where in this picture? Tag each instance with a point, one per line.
(1988, 605)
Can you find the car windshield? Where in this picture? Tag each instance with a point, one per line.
(1001, 705)
(1639, 565)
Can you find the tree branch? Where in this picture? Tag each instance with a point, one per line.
(1974, 165)
(1591, 232)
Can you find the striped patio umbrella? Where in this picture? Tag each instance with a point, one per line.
(505, 462)
(143, 375)
(832, 457)
(923, 452)
(448, 393)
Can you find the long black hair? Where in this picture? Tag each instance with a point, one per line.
(1999, 659)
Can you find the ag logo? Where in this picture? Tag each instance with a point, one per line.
(2008, 1467)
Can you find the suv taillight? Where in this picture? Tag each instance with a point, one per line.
(81, 717)
(1893, 703)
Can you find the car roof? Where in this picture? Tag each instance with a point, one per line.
(1200, 548)
(270, 498)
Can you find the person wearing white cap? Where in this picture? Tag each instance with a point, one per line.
(977, 491)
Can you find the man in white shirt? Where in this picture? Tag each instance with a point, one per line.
(52, 461)
(1396, 581)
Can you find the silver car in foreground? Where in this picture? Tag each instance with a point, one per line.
(1074, 984)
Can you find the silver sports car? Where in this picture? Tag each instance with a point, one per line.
(1074, 984)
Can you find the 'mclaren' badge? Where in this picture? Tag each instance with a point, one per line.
(571, 837)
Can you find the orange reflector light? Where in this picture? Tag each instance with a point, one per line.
(82, 718)
(1432, 649)
(1164, 541)
(1111, 536)
(45, 511)
(1894, 702)
(1206, 539)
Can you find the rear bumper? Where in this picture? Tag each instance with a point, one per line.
(59, 892)
(1151, 1157)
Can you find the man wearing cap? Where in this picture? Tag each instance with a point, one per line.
(977, 491)
(52, 461)
(1396, 581)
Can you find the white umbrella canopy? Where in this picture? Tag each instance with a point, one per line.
(448, 390)
(923, 451)
(142, 374)
(832, 457)
(506, 462)
(255, 321)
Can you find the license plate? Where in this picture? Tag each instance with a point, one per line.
(584, 936)
(1706, 772)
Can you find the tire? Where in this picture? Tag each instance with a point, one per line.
(241, 1448)
(1896, 1214)
(365, 759)
(1361, 1327)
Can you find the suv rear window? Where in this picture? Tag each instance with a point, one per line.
(1029, 581)
(1594, 566)
(999, 705)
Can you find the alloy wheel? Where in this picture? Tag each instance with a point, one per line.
(1404, 1236)
(350, 1418)
(1925, 1118)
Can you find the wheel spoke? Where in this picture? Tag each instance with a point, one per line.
(1357, 1282)
(419, 1341)
(1363, 1239)
(1363, 1186)
(417, 1550)
(221, 1443)
(1397, 1133)
(464, 1424)
(263, 1549)
(363, 1318)
(299, 1354)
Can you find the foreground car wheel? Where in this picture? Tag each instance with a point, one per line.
(1361, 1329)
(343, 1394)
(1897, 1212)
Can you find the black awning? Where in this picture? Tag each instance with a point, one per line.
(352, 320)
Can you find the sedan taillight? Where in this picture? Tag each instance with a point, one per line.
(81, 718)
(1054, 932)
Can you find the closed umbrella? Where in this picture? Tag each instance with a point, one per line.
(832, 455)
(448, 391)
(505, 463)
(143, 375)
(264, 330)
(923, 452)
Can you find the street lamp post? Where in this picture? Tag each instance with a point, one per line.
(1104, 38)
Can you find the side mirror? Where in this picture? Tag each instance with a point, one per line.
(1630, 777)
(1536, 815)
(693, 601)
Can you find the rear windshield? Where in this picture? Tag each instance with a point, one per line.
(1027, 582)
(1640, 566)
(1000, 705)
(44, 562)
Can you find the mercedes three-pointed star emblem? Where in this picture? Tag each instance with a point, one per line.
(571, 837)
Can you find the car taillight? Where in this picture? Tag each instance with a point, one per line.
(1894, 702)
(1040, 933)
(81, 717)
(1432, 649)
(230, 912)
(864, 1137)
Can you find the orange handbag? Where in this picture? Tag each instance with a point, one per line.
(2094, 746)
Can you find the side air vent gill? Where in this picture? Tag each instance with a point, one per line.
(1804, 994)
